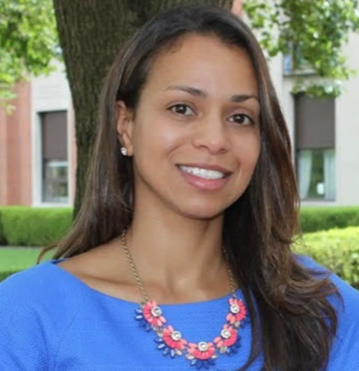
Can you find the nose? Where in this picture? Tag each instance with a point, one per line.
(211, 135)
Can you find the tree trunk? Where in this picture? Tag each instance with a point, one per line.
(91, 33)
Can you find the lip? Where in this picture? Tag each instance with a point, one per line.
(208, 167)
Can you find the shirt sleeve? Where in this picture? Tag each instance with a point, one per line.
(345, 350)
(344, 354)
(22, 347)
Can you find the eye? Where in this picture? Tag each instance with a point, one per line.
(182, 109)
(242, 119)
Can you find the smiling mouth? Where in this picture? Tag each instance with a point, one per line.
(203, 173)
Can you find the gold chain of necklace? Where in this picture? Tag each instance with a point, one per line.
(139, 282)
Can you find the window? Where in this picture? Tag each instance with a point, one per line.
(55, 181)
(54, 157)
(316, 174)
(294, 63)
(315, 147)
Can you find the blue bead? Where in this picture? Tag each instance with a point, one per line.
(199, 365)
(161, 346)
(173, 353)
(193, 362)
(166, 351)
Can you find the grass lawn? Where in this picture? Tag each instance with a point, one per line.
(16, 259)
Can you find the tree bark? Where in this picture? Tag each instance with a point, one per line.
(91, 33)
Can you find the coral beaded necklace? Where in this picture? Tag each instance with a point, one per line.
(170, 341)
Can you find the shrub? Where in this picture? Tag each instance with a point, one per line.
(27, 226)
(2, 234)
(336, 249)
(324, 218)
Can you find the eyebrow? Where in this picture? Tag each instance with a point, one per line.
(189, 89)
(237, 98)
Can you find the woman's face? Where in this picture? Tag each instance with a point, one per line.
(195, 138)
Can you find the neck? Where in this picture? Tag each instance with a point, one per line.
(176, 253)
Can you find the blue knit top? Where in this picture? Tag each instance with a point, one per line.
(50, 320)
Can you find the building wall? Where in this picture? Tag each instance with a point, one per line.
(347, 132)
(21, 139)
(237, 7)
(50, 93)
(346, 125)
(15, 150)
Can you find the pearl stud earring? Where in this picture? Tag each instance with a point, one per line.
(124, 151)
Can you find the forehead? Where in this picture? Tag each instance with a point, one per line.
(205, 62)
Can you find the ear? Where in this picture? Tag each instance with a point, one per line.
(125, 126)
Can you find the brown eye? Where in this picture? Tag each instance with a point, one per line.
(182, 109)
(242, 119)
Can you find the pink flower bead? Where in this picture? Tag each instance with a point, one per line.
(149, 317)
(233, 318)
(169, 341)
(201, 355)
(225, 343)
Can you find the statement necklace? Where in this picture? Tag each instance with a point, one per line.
(170, 341)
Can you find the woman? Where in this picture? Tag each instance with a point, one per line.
(190, 212)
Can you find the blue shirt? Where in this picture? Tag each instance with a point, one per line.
(50, 320)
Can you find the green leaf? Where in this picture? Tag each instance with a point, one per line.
(28, 41)
(312, 32)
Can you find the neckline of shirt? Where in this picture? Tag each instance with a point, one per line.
(53, 264)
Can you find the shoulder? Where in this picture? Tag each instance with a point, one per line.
(44, 284)
(36, 306)
(44, 291)
(345, 348)
(350, 296)
(25, 286)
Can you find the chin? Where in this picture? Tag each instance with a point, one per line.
(201, 211)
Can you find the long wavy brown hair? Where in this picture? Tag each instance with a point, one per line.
(293, 324)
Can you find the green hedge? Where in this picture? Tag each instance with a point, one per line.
(28, 226)
(336, 249)
(315, 219)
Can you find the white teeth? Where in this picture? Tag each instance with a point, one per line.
(202, 173)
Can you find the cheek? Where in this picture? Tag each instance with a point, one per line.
(248, 151)
(156, 137)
